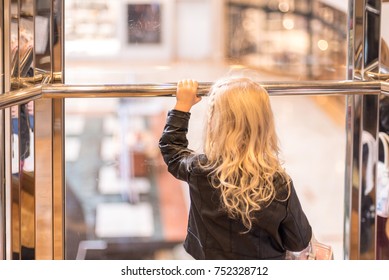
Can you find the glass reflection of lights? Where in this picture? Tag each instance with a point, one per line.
(323, 45)
(283, 7)
(288, 23)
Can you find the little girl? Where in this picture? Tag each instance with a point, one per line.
(243, 203)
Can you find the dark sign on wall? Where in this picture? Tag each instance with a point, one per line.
(144, 23)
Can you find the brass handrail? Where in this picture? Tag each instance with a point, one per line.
(54, 91)
(385, 87)
(20, 96)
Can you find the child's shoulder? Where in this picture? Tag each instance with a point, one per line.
(283, 185)
(199, 164)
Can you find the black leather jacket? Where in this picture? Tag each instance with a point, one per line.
(211, 233)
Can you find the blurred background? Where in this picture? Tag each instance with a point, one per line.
(121, 203)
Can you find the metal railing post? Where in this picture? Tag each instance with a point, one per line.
(362, 119)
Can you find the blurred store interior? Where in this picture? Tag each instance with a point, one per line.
(120, 201)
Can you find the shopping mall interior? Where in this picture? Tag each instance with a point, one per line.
(120, 201)
(311, 130)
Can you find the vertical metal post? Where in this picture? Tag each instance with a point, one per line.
(7, 134)
(362, 124)
(58, 134)
(14, 190)
(2, 138)
(49, 131)
(26, 151)
(31, 198)
(43, 134)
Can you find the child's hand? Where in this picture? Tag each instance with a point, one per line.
(186, 95)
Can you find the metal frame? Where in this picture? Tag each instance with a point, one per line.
(5, 156)
(44, 95)
(61, 91)
(2, 142)
(360, 236)
(45, 223)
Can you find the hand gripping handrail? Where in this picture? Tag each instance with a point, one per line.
(54, 91)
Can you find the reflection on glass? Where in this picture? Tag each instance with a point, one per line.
(368, 191)
(384, 54)
(22, 182)
(42, 37)
(27, 186)
(26, 44)
(14, 57)
(372, 40)
(15, 214)
(374, 3)
(22, 157)
(22, 169)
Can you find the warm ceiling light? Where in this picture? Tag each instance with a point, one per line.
(283, 7)
(288, 23)
(323, 45)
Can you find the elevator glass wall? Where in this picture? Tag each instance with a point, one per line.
(84, 91)
(121, 202)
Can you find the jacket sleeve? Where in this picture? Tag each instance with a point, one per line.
(295, 231)
(173, 144)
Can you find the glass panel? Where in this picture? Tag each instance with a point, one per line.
(42, 37)
(306, 40)
(121, 202)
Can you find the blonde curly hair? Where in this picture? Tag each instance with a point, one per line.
(242, 147)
